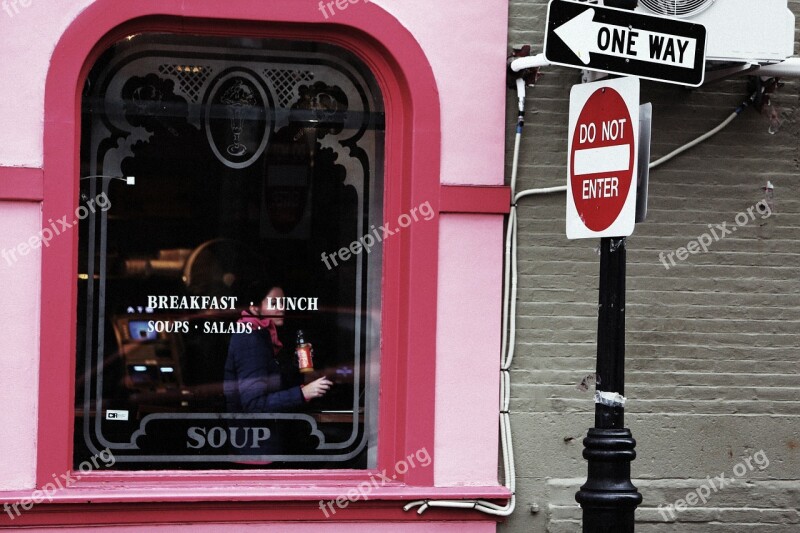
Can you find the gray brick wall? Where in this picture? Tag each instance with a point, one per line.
(713, 344)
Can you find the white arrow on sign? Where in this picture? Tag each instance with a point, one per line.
(584, 37)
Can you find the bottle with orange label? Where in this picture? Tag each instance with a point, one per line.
(305, 354)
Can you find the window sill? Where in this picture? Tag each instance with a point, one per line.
(151, 492)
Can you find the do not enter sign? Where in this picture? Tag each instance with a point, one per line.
(603, 149)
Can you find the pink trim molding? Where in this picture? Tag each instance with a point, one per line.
(494, 200)
(21, 184)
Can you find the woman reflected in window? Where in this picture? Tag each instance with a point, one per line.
(253, 380)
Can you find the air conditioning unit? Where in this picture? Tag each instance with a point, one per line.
(750, 31)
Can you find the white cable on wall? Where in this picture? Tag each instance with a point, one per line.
(695, 142)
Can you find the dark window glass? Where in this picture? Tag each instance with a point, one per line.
(216, 329)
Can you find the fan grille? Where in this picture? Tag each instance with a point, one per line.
(676, 8)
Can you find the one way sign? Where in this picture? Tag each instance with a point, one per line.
(619, 41)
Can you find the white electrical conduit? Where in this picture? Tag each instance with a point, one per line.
(738, 111)
(506, 350)
(510, 305)
(697, 141)
(523, 63)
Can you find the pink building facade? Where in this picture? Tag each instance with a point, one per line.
(426, 415)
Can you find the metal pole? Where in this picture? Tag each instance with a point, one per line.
(608, 497)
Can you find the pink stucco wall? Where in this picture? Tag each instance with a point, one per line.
(468, 341)
(465, 43)
(19, 343)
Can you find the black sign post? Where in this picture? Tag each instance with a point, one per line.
(608, 497)
(618, 41)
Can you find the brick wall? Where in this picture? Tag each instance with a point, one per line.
(713, 344)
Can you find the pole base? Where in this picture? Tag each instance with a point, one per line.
(608, 497)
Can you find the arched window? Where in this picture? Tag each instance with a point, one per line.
(231, 203)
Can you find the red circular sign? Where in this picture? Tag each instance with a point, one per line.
(601, 159)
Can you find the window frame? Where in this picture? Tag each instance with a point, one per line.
(409, 278)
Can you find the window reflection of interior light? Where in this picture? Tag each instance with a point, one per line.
(83, 276)
(140, 368)
(167, 369)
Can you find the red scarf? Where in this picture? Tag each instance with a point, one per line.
(263, 323)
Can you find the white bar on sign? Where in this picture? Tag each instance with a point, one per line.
(600, 160)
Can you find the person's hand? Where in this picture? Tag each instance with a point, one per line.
(317, 388)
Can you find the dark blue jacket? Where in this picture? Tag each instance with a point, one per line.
(254, 384)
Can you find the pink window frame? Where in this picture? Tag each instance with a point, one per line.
(413, 139)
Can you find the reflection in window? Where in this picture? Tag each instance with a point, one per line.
(211, 334)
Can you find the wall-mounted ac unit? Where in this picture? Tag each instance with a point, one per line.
(752, 31)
